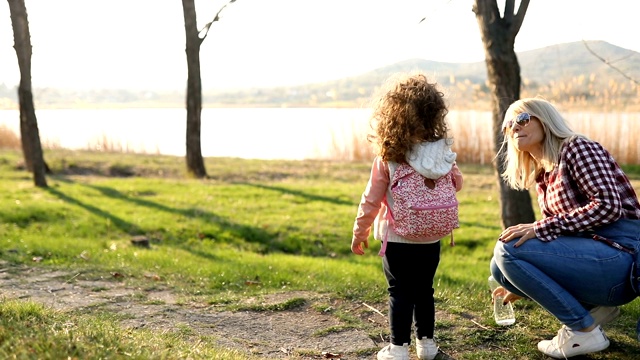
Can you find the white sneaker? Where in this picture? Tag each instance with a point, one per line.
(426, 349)
(604, 314)
(570, 343)
(394, 352)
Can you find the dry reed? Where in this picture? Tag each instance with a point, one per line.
(8, 138)
(472, 132)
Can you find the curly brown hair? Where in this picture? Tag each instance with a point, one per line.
(411, 110)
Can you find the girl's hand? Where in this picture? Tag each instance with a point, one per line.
(522, 231)
(356, 246)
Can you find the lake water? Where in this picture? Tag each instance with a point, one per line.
(269, 133)
(285, 133)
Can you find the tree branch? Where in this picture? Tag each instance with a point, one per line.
(207, 26)
(519, 18)
(509, 5)
(609, 64)
(436, 10)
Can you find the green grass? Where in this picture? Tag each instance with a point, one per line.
(277, 224)
(30, 331)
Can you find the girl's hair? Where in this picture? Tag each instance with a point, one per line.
(410, 111)
(521, 168)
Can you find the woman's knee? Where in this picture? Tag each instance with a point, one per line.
(494, 270)
(500, 251)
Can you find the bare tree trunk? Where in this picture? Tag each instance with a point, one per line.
(195, 163)
(503, 72)
(30, 136)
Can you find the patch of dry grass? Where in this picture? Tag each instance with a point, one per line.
(472, 132)
(8, 138)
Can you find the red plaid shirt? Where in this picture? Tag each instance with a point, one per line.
(585, 190)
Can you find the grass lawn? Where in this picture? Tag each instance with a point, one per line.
(279, 225)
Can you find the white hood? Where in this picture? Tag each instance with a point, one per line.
(432, 159)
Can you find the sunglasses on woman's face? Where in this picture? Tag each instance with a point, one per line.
(522, 119)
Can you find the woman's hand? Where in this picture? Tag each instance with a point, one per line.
(508, 296)
(522, 231)
(356, 246)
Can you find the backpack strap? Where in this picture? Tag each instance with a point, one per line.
(453, 180)
(383, 247)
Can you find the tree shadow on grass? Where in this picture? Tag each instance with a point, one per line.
(117, 221)
(232, 230)
(311, 197)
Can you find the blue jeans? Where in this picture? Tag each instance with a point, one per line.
(572, 274)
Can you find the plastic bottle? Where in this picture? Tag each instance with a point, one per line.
(502, 313)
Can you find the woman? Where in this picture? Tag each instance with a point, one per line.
(568, 261)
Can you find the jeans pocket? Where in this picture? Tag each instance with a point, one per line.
(623, 293)
(634, 277)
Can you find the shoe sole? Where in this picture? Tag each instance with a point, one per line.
(427, 357)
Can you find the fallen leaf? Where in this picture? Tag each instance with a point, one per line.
(328, 355)
(37, 258)
(255, 281)
(141, 241)
(152, 276)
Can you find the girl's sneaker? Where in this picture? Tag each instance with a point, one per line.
(394, 352)
(426, 349)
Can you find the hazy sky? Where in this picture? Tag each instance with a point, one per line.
(140, 43)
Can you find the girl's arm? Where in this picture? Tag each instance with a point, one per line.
(371, 200)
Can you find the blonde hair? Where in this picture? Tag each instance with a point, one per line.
(411, 110)
(522, 169)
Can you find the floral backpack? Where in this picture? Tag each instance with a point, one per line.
(421, 207)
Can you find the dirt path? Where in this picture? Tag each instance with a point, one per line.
(266, 334)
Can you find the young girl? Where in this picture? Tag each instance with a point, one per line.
(410, 127)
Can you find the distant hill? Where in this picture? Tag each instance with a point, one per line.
(569, 74)
(566, 73)
(574, 59)
(543, 65)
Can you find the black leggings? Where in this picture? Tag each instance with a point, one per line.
(410, 269)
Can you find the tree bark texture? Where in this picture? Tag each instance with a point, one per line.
(30, 136)
(195, 162)
(503, 73)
